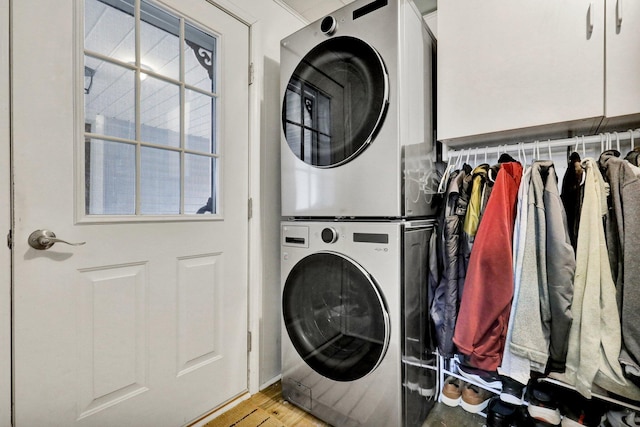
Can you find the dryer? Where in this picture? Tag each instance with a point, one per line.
(354, 321)
(357, 114)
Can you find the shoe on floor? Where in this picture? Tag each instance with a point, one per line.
(451, 391)
(511, 390)
(486, 378)
(500, 413)
(412, 380)
(474, 399)
(625, 418)
(427, 383)
(542, 402)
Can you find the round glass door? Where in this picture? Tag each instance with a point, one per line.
(335, 316)
(335, 102)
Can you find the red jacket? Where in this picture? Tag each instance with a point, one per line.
(486, 299)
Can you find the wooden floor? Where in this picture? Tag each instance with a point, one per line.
(287, 415)
(268, 409)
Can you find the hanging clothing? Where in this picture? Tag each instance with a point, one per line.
(540, 330)
(623, 242)
(446, 299)
(486, 302)
(572, 195)
(516, 367)
(633, 156)
(476, 202)
(595, 336)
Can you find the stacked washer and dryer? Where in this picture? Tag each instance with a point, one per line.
(358, 184)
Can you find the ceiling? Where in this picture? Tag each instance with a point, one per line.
(313, 10)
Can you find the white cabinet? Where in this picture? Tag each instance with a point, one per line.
(530, 67)
(622, 90)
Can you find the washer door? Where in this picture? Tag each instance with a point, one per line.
(335, 102)
(335, 316)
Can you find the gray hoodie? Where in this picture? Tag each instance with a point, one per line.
(622, 230)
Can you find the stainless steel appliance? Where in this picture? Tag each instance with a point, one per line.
(357, 114)
(352, 293)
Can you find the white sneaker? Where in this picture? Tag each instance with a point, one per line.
(626, 418)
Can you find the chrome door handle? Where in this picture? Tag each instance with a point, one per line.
(44, 239)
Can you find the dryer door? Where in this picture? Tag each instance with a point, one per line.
(335, 102)
(336, 316)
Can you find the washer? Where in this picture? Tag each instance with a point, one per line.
(344, 284)
(357, 114)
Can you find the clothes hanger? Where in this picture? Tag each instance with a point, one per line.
(444, 177)
(549, 148)
(617, 141)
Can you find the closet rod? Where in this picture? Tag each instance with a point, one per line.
(611, 138)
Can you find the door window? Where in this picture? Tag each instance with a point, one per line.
(150, 112)
(335, 316)
(335, 102)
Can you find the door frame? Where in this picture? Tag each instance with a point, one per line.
(254, 244)
(5, 221)
(255, 280)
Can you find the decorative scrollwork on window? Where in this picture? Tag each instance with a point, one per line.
(204, 57)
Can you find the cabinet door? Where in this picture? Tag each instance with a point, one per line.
(623, 58)
(516, 64)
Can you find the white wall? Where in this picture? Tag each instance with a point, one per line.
(273, 22)
(279, 25)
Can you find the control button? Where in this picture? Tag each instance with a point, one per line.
(329, 235)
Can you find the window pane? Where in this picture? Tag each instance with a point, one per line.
(198, 196)
(160, 112)
(199, 120)
(159, 181)
(109, 28)
(109, 100)
(110, 178)
(199, 59)
(159, 41)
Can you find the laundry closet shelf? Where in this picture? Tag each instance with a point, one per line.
(631, 405)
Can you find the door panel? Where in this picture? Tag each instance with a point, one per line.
(140, 325)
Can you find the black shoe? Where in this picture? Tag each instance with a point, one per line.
(542, 403)
(579, 411)
(523, 419)
(511, 390)
(486, 378)
(500, 414)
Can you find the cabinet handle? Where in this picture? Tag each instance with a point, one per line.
(619, 13)
(590, 18)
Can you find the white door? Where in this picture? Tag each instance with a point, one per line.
(118, 146)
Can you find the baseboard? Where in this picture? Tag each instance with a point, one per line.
(200, 422)
(270, 382)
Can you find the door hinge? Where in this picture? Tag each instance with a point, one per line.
(248, 341)
(250, 208)
(251, 73)
(10, 239)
